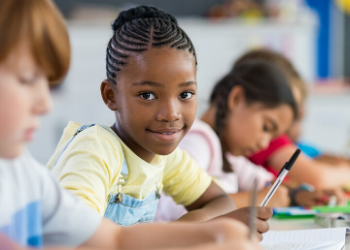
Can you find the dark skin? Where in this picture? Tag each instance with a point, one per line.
(155, 104)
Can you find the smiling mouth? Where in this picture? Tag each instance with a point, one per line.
(166, 134)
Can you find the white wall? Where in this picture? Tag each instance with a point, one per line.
(327, 122)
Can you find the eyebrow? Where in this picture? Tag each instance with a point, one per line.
(185, 84)
(157, 84)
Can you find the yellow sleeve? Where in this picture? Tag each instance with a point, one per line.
(89, 170)
(183, 179)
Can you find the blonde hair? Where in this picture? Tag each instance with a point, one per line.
(280, 61)
(39, 23)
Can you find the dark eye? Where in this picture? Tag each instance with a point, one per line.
(266, 128)
(147, 96)
(186, 95)
(27, 81)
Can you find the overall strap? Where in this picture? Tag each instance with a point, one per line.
(80, 129)
(124, 170)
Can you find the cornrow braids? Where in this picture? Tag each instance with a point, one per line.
(262, 83)
(139, 29)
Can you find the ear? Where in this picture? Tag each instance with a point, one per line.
(235, 98)
(108, 92)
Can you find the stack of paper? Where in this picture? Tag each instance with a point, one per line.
(313, 239)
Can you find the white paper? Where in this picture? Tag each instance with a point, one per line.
(312, 239)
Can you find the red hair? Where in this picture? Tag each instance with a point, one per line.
(40, 23)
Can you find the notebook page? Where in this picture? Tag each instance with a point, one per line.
(304, 239)
(302, 245)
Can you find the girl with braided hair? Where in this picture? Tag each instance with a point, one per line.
(151, 87)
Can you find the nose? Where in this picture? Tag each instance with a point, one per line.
(169, 111)
(42, 98)
(264, 141)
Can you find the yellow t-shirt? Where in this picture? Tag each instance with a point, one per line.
(91, 164)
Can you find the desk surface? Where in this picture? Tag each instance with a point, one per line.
(299, 224)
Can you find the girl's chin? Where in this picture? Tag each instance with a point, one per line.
(166, 150)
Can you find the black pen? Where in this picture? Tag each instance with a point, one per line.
(291, 161)
(284, 171)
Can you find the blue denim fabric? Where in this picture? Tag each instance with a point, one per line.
(131, 211)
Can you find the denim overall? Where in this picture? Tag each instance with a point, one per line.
(122, 208)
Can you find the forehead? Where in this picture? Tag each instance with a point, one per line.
(160, 65)
(281, 115)
(20, 58)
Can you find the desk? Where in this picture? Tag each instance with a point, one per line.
(299, 224)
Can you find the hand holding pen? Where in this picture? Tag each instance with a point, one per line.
(254, 217)
(281, 175)
(261, 214)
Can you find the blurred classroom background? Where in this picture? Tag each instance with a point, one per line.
(313, 34)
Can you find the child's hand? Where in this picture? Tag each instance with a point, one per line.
(279, 199)
(242, 244)
(225, 229)
(262, 215)
(231, 234)
(319, 197)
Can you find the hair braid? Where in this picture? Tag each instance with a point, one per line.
(220, 95)
(139, 29)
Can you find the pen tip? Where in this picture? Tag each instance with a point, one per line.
(293, 159)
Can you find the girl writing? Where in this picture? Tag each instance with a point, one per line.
(322, 175)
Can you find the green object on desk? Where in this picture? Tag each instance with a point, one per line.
(292, 217)
(293, 213)
(336, 209)
(303, 213)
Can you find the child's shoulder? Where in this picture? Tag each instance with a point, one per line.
(21, 180)
(99, 139)
(87, 134)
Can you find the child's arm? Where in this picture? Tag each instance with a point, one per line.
(189, 185)
(279, 199)
(153, 236)
(333, 160)
(95, 242)
(320, 175)
(214, 202)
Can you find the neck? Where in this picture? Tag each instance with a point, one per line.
(136, 148)
(209, 116)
